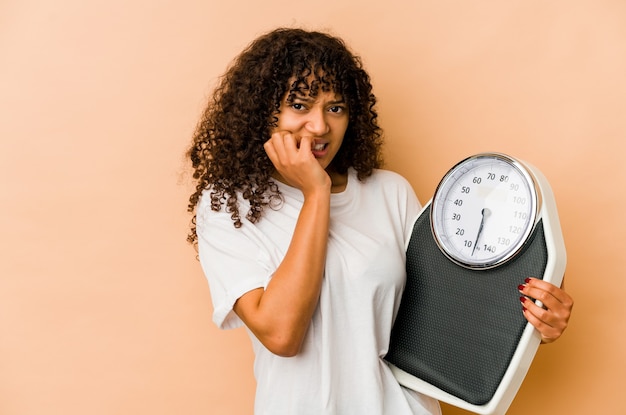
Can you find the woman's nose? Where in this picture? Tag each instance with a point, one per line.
(317, 124)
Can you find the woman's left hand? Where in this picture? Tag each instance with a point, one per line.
(551, 319)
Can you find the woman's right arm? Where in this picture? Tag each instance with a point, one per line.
(279, 315)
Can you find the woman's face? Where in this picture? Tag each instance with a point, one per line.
(323, 118)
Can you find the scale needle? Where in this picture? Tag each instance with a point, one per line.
(485, 213)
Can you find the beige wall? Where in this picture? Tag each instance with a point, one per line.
(103, 307)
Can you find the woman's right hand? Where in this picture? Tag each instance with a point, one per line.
(280, 314)
(294, 162)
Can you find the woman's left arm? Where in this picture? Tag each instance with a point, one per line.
(551, 319)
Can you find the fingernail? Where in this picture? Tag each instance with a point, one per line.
(523, 309)
(523, 299)
(521, 287)
(527, 280)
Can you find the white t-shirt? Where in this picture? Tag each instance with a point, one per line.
(340, 368)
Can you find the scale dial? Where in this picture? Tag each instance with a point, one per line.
(484, 210)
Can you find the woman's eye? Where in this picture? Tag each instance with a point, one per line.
(336, 109)
(297, 106)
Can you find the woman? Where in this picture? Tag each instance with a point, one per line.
(302, 236)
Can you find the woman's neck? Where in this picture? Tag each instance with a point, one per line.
(339, 182)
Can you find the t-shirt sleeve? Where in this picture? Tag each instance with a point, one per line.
(411, 207)
(233, 260)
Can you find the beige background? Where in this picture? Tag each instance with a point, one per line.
(103, 307)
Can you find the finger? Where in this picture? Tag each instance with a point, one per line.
(551, 310)
(548, 333)
(278, 142)
(539, 313)
(306, 144)
(290, 143)
(548, 294)
(550, 319)
(276, 145)
(550, 324)
(270, 150)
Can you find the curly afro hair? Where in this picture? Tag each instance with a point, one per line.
(227, 153)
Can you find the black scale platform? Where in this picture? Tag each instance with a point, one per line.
(457, 329)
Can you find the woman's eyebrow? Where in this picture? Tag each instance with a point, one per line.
(308, 98)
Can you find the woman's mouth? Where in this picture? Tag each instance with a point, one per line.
(319, 149)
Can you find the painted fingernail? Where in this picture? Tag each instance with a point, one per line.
(527, 280)
(521, 287)
(523, 309)
(523, 299)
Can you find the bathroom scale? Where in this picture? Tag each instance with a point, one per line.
(460, 336)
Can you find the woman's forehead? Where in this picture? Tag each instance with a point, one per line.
(312, 84)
